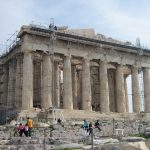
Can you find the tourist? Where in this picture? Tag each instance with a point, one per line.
(97, 125)
(85, 125)
(30, 126)
(90, 128)
(16, 130)
(59, 121)
(21, 129)
(26, 130)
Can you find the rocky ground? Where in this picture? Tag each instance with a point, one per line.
(67, 136)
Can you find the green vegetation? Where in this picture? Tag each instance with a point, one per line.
(80, 141)
(140, 135)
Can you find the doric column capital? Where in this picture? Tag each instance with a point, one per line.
(120, 65)
(68, 55)
(135, 68)
(27, 52)
(103, 61)
(86, 59)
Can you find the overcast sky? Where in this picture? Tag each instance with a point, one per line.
(121, 19)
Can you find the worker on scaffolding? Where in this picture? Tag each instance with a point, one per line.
(55, 28)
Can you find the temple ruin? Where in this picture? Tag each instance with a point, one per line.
(72, 69)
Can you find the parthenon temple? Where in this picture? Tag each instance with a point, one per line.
(73, 69)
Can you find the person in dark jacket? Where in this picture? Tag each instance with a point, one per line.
(97, 125)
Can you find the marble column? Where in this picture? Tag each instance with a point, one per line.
(74, 87)
(5, 83)
(104, 90)
(67, 82)
(11, 84)
(1, 85)
(86, 86)
(27, 85)
(57, 85)
(135, 90)
(18, 89)
(126, 94)
(146, 76)
(46, 100)
(79, 89)
(120, 92)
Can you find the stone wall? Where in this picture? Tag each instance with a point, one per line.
(107, 126)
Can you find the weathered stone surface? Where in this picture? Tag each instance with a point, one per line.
(146, 75)
(106, 140)
(67, 77)
(136, 91)
(86, 86)
(46, 82)
(120, 90)
(27, 85)
(133, 139)
(26, 70)
(104, 90)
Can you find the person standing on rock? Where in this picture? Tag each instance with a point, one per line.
(16, 130)
(90, 128)
(97, 125)
(85, 125)
(21, 129)
(30, 125)
(26, 130)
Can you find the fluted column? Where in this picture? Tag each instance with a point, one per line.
(67, 79)
(79, 89)
(1, 85)
(27, 85)
(135, 90)
(86, 86)
(126, 94)
(74, 87)
(104, 90)
(5, 83)
(46, 100)
(146, 75)
(57, 84)
(11, 84)
(120, 92)
(18, 89)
